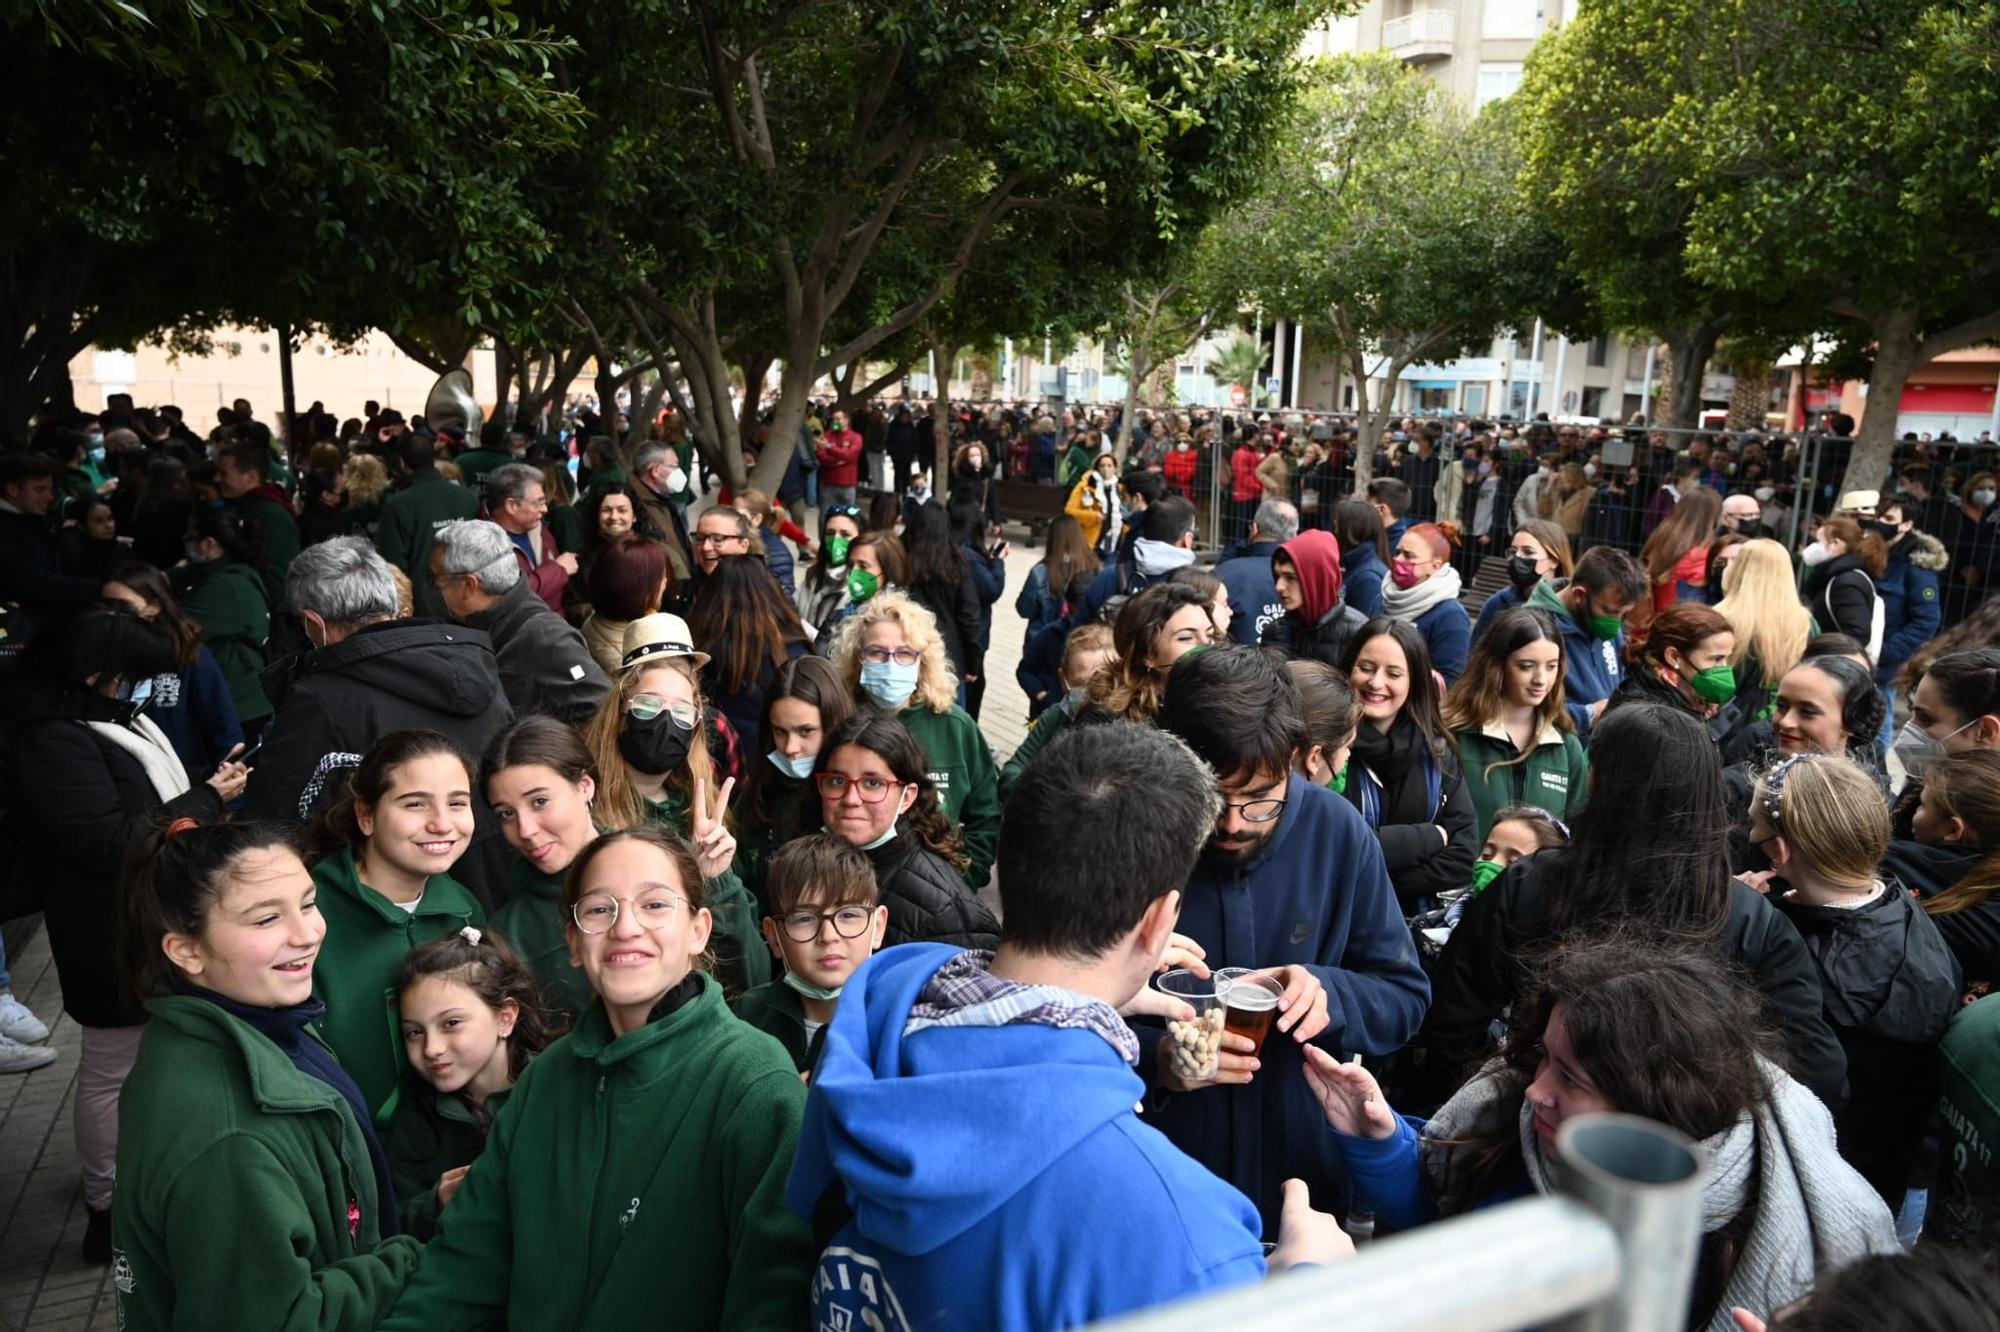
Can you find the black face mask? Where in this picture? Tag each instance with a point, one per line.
(1523, 574)
(656, 746)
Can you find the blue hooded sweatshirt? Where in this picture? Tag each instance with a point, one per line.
(997, 1176)
(1317, 895)
(1593, 667)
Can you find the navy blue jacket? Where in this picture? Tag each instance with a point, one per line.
(1593, 667)
(1253, 594)
(1447, 629)
(1911, 611)
(1361, 575)
(1506, 599)
(196, 711)
(1318, 895)
(778, 556)
(989, 579)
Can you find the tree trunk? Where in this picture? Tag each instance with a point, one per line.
(1688, 350)
(1122, 445)
(941, 412)
(1896, 355)
(1750, 399)
(1364, 424)
(755, 367)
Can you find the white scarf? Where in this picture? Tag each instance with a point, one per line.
(1407, 603)
(1813, 1211)
(149, 744)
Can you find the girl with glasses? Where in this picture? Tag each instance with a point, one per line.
(643, 1157)
(826, 920)
(875, 796)
(891, 656)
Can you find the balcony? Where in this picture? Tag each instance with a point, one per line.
(1421, 36)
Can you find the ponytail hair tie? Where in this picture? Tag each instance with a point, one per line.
(179, 826)
(470, 934)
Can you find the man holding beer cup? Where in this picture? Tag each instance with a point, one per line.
(1291, 903)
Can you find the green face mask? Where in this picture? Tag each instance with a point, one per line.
(861, 584)
(1717, 684)
(836, 550)
(1338, 782)
(1606, 627)
(1483, 873)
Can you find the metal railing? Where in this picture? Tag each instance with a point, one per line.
(1616, 1253)
(1422, 27)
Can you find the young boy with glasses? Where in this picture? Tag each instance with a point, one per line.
(827, 921)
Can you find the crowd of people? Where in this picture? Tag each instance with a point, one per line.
(494, 880)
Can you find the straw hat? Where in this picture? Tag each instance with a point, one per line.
(661, 635)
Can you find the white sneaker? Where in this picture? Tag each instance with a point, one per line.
(18, 1058)
(18, 1024)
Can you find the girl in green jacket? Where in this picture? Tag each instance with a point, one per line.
(386, 850)
(649, 746)
(890, 654)
(637, 1173)
(1506, 712)
(221, 590)
(470, 1025)
(237, 1126)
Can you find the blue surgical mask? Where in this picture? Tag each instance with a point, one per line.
(889, 683)
(801, 767)
(97, 453)
(883, 840)
(135, 692)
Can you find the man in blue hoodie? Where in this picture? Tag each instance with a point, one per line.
(1590, 610)
(1292, 881)
(970, 1155)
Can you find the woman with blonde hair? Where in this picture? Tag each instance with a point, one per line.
(890, 654)
(364, 481)
(650, 745)
(1570, 499)
(1762, 604)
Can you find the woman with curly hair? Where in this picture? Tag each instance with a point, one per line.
(891, 656)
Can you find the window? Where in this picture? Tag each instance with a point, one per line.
(1498, 80)
(1593, 402)
(1475, 399)
(1432, 400)
(1511, 18)
(1600, 350)
(1347, 397)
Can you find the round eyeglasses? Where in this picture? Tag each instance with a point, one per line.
(849, 922)
(1255, 811)
(645, 707)
(881, 656)
(594, 913)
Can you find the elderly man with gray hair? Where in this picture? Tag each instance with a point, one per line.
(1245, 570)
(517, 500)
(545, 666)
(368, 674)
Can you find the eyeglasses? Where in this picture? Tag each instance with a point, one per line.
(645, 707)
(594, 913)
(717, 538)
(881, 656)
(1255, 811)
(872, 790)
(849, 922)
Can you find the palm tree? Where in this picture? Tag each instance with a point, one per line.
(1240, 363)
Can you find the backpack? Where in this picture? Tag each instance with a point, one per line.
(1108, 612)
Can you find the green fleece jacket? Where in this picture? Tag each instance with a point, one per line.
(960, 765)
(1041, 731)
(430, 1135)
(473, 465)
(228, 600)
(630, 1181)
(367, 937)
(1556, 777)
(280, 535)
(531, 919)
(245, 1195)
(408, 528)
(776, 1009)
(742, 958)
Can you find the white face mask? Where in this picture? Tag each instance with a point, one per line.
(676, 480)
(1816, 554)
(1982, 497)
(1764, 494)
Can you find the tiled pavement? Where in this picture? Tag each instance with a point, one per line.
(44, 1284)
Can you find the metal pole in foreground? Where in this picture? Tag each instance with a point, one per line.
(1617, 1254)
(1646, 393)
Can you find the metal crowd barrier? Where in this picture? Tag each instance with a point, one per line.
(1615, 1253)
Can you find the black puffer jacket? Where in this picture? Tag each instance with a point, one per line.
(85, 797)
(545, 666)
(1421, 863)
(1323, 641)
(927, 899)
(334, 702)
(1891, 988)
(1480, 971)
(1973, 932)
(1842, 598)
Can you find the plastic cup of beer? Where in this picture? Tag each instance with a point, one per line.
(1196, 1052)
(1250, 1004)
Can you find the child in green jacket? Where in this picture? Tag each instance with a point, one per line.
(385, 889)
(236, 1124)
(636, 1176)
(470, 1025)
(827, 920)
